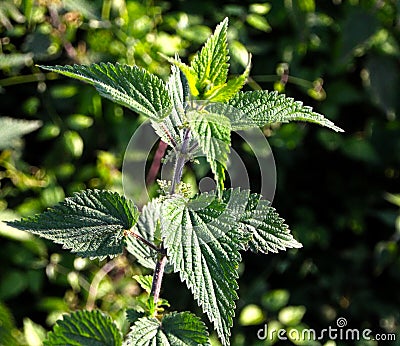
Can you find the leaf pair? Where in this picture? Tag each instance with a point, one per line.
(202, 235)
(207, 75)
(89, 328)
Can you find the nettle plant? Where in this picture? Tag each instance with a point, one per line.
(201, 236)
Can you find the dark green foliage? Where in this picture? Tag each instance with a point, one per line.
(85, 328)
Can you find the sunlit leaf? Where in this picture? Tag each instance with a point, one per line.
(175, 329)
(92, 223)
(130, 86)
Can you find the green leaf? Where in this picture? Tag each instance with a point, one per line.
(145, 281)
(251, 315)
(258, 22)
(269, 232)
(178, 89)
(130, 86)
(188, 73)
(204, 249)
(203, 237)
(133, 315)
(73, 143)
(13, 129)
(261, 227)
(291, 315)
(34, 333)
(85, 328)
(209, 68)
(210, 65)
(213, 133)
(259, 108)
(91, 223)
(175, 329)
(232, 87)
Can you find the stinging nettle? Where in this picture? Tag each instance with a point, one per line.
(201, 236)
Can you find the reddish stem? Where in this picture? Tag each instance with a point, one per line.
(156, 164)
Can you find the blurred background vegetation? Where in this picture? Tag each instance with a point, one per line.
(340, 193)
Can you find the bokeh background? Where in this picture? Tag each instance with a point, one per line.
(339, 193)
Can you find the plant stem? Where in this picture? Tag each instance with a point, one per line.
(162, 261)
(36, 77)
(180, 161)
(157, 277)
(149, 244)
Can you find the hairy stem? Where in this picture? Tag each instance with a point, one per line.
(162, 261)
(149, 244)
(180, 161)
(157, 277)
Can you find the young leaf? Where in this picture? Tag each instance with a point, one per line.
(209, 68)
(187, 71)
(91, 223)
(213, 133)
(264, 107)
(85, 328)
(12, 129)
(268, 231)
(175, 329)
(145, 281)
(210, 65)
(204, 249)
(232, 87)
(130, 86)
